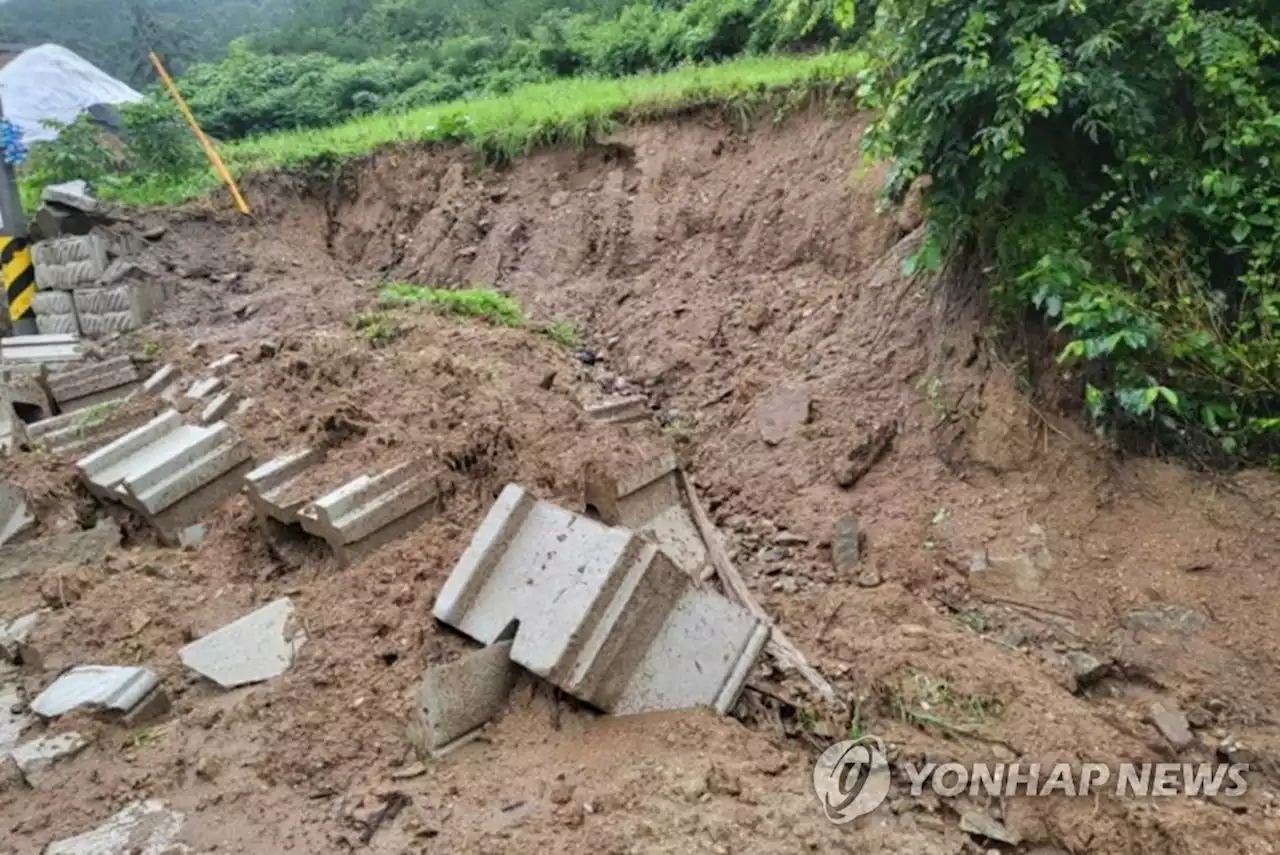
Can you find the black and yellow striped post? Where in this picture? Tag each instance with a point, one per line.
(15, 255)
(19, 281)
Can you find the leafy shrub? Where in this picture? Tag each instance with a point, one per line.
(1117, 162)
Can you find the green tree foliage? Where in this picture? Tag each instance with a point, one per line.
(1118, 162)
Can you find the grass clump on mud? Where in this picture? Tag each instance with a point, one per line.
(571, 111)
(567, 334)
(483, 303)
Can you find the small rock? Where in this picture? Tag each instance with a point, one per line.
(571, 816)
(586, 357)
(561, 793)
(1199, 717)
(780, 416)
(547, 381)
(721, 783)
(1173, 726)
(268, 348)
(1085, 668)
(846, 545)
(1166, 617)
(790, 538)
(775, 554)
(411, 771)
(869, 578)
(693, 787)
(558, 198)
(466, 252)
(155, 233)
(11, 777)
(983, 825)
(786, 585)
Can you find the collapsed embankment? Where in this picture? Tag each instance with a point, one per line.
(744, 284)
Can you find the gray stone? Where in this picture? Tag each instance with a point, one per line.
(71, 194)
(41, 753)
(981, 824)
(870, 578)
(257, 647)
(80, 547)
(192, 536)
(1166, 617)
(459, 698)
(1086, 668)
(14, 635)
(620, 410)
(13, 717)
(218, 408)
(780, 416)
(140, 828)
(95, 687)
(846, 545)
(1173, 726)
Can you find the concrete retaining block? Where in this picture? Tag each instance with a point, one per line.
(649, 500)
(52, 351)
(273, 486)
(93, 383)
(598, 611)
(28, 393)
(369, 511)
(67, 262)
(457, 699)
(163, 383)
(16, 518)
(77, 547)
(13, 430)
(169, 472)
(88, 429)
(96, 688)
(219, 407)
(49, 323)
(257, 647)
(117, 308)
(619, 410)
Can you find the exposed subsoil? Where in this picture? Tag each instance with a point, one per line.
(740, 281)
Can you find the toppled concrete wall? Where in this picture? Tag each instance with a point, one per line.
(56, 313)
(649, 500)
(87, 430)
(89, 384)
(364, 513)
(78, 547)
(599, 612)
(67, 263)
(171, 473)
(15, 513)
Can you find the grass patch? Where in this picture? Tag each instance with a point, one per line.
(469, 302)
(573, 111)
(90, 416)
(923, 699)
(564, 333)
(376, 328)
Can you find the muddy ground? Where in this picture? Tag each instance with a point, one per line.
(738, 280)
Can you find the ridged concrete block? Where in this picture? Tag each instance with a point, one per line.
(67, 262)
(49, 323)
(273, 487)
(16, 518)
(620, 410)
(649, 500)
(170, 472)
(53, 351)
(369, 511)
(163, 383)
(93, 383)
(598, 611)
(54, 303)
(88, 429)
(118, 308)
(29, 394)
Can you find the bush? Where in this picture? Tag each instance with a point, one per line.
(1117, 162)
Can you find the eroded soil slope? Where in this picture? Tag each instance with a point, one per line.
(742, 282)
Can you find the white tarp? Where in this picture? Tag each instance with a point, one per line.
(51, 82)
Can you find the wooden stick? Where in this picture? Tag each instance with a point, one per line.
(779, 646)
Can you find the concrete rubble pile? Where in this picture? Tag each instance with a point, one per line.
(169, 472)
(355, 517)
(598, 611)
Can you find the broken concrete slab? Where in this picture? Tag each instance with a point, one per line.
(170, 472)
(163, 383)
(16, 518)
(220, 366)
(458, 698)
(85, 431)
(257, 647)
(620, 410)
(204, 388)
(140, 828)
(97, 688)
(369, 511)
(13, 638)
(71, 194)
(41, 753)
(78, 547)
(982, 824)
(218, 408)
(32, 351)
(649, 500)
(1173, 726)
(780, 416)
(600, 612)
(93, 383)
(28, 392)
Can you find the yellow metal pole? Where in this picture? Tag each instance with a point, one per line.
(210, 152)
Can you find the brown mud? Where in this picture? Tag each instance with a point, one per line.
(736, 279)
